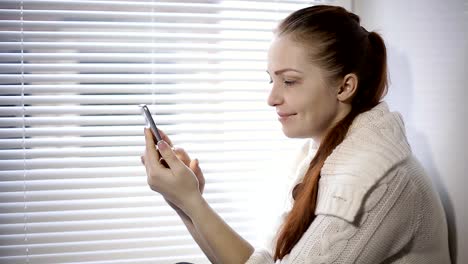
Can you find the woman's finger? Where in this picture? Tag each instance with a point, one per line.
(165, 137)
(195, 167)
(182, 155)
(151, 152)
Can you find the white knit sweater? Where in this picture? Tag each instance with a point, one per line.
(375, 203)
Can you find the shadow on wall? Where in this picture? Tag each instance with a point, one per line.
(400, 98)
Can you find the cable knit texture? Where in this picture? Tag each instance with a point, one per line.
(375, 203)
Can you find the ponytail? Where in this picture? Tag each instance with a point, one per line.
(372, 73)
(378, 82)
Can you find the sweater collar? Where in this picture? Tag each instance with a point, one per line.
(375, 141)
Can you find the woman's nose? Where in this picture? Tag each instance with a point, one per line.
(275, 97)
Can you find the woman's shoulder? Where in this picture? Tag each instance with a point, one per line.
(349, 198)
(375, 144)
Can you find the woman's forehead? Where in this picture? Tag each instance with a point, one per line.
(287, 53)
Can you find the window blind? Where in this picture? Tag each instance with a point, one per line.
(72, 189)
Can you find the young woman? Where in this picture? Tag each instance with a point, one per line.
(360, 195)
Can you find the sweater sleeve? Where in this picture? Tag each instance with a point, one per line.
(382, 229)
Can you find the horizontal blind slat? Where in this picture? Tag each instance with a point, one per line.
(91, 162)
(133, 57)
(103, 193)
(91, 173)
(143, 15)
(226, 5)
(57, 248)
(94, 162)
(228, 149)
(127, 67)
(119, 141)
(158, 98)
(135, 130)
(12, 189)
(182, 108)
(131, 119)
(97, 25)
(129, 89)
(130, 46)
(129, 36)
(73, 206)
(126, 78)
(193, 258)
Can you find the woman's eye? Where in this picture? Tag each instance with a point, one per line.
(288, 83)
(271, 81)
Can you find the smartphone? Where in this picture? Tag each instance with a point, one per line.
(150, 122)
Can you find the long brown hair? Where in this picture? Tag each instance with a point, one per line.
(340, 45)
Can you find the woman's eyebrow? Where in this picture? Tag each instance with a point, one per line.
(284, 70)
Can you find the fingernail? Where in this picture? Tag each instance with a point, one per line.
(162, 145)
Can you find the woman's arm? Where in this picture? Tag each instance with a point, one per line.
(227, 246)
(199, 239)
(194, 166)
(179, 185)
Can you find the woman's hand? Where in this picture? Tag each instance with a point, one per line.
(179, 183)
(194, 165)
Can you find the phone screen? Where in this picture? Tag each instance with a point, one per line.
(149, 121)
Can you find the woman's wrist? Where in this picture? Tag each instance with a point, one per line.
(194, 205)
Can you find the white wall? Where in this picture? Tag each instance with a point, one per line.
(428, 54)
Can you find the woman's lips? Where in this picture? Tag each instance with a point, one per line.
(284, 116)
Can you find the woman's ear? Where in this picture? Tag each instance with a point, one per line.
(348, 88)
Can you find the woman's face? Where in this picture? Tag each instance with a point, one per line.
(306, 104)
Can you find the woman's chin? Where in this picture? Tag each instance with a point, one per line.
(295, 133)
(290, 133)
